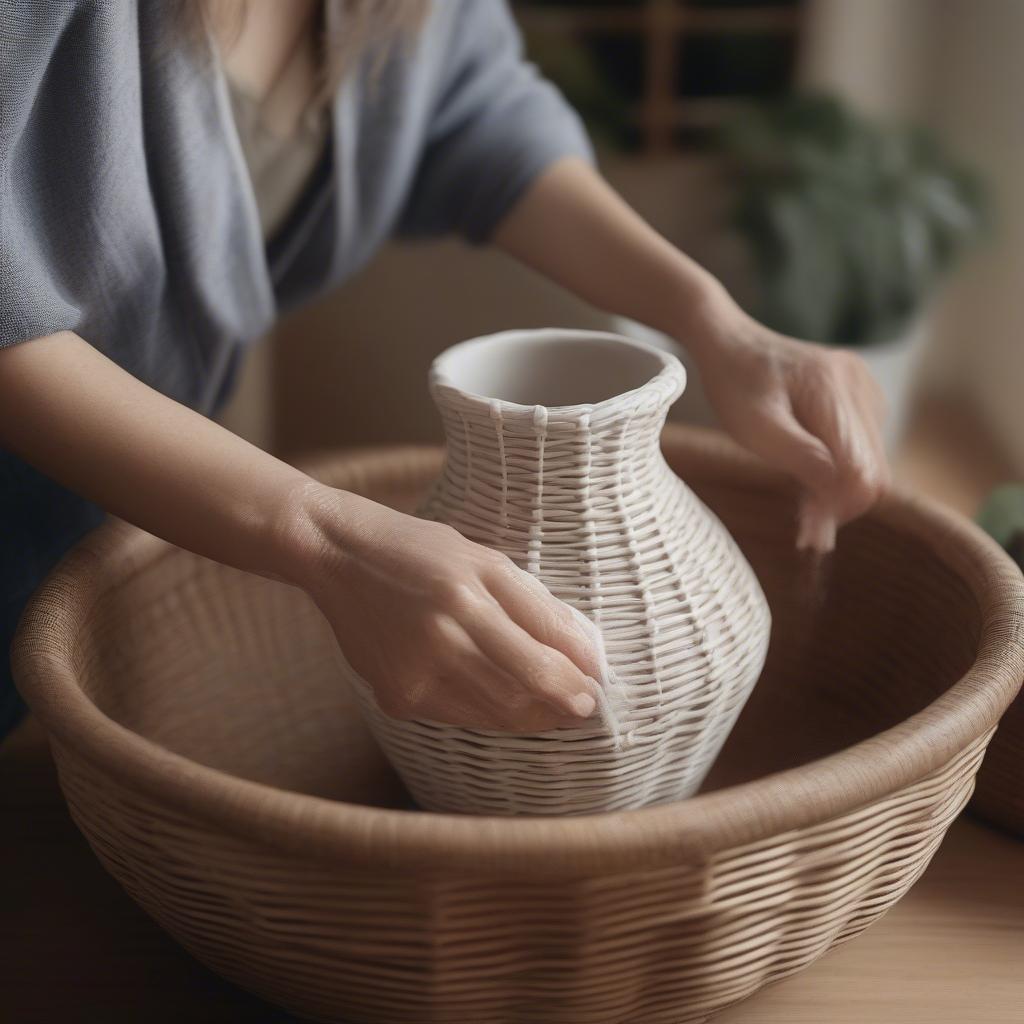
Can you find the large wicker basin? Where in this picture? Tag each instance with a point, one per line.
(216, 763)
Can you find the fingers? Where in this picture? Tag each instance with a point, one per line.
(845, 413)
(826, 430)
(462, 686)
(781, 440)
(498, 674)
(812, 411)
(873, 414)
(483, 697)
(547, 619)
(817, 526)
(544, 672)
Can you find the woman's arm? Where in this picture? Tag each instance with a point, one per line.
(440, 627)
(76, 416)
(812, 411)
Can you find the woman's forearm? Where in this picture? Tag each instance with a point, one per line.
(573, 228)
(439, 626)
(813, 411)
(77, 417)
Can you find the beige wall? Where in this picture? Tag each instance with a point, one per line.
(875, 52)
(352, 368)
(975, 102)
(250, 411)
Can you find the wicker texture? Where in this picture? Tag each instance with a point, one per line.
(580, 496)
(222, 774)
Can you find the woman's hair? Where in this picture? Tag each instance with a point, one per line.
(361, 26)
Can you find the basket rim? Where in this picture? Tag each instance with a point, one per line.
(382, 839)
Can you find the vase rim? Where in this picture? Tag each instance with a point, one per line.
(667, 378)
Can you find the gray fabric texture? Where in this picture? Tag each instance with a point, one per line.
(127, 215)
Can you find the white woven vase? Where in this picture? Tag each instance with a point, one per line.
(553, 457)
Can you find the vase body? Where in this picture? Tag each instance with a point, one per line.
(553, 458)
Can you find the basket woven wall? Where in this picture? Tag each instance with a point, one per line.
(222, 775)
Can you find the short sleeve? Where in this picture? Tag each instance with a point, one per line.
(32, 302)
(496, 124)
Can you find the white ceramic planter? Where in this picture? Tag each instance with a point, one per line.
(894, 364)
(553, 457)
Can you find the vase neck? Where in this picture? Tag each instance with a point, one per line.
(511, 461)
(548, 425)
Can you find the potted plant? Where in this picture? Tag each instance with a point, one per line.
(849, 226)
(846, 229)
(1002, 516)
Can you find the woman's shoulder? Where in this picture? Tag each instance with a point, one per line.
(58, 53)
(39, 32)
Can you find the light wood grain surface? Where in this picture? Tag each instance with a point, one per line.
(951, 952)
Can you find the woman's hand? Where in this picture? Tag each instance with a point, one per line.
(441, 628)
(812, 411)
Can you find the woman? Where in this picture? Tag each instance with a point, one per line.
(174, 175)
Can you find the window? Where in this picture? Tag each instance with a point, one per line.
(655, 75)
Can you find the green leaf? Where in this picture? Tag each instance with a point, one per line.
(1002, 515)
(850, 223)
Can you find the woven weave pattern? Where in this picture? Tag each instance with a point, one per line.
(659, 947)
(581, 497)
(225, 777)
